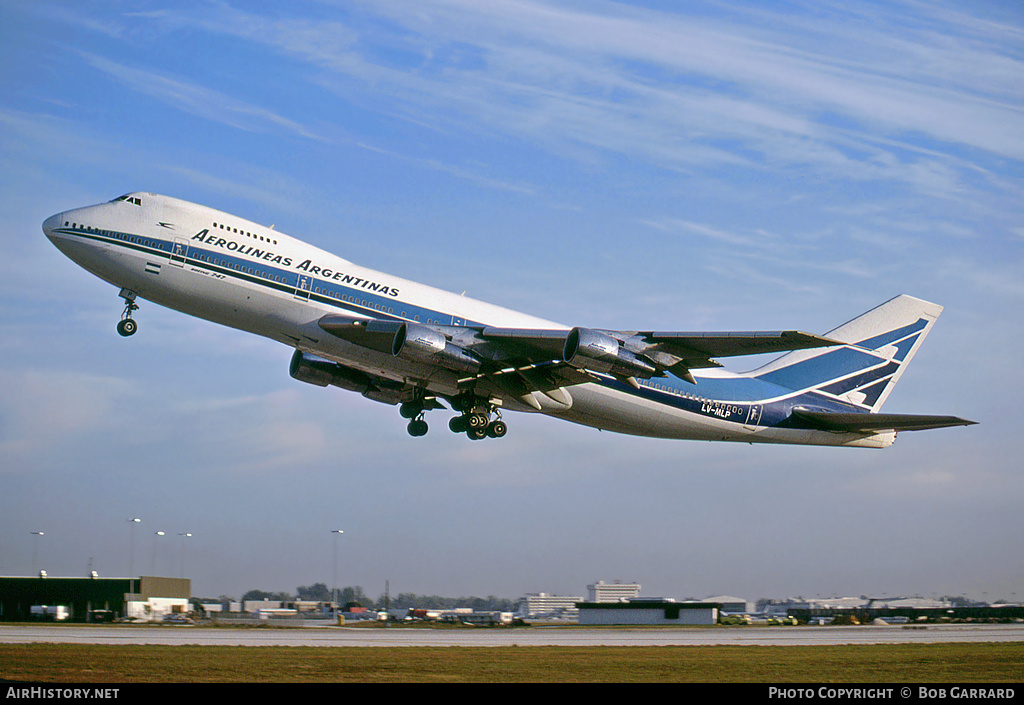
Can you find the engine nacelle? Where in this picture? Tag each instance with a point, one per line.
(422, 344)
(590, 350)
(314, 370)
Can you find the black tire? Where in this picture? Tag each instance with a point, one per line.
(127, 326)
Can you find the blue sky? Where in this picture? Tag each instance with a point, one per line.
(727, 166)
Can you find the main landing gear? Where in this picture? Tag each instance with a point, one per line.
(127, 325)
(414, 412)
(475, 419)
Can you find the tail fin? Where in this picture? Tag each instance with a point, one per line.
(880, 344)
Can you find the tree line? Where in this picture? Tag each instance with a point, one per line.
(356, 597)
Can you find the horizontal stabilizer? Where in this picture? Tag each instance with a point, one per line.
(870, 423)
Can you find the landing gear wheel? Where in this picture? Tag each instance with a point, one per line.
(497, 429)
(458, 424)
(127, 326)
(410, 410)
(418, 427)
(477, 434)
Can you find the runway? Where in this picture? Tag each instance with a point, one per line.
(497, 637)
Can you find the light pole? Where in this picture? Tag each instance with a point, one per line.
(183, 536)
(155, 534)
(131, 546)
(131, 558)
(35, 549)
(334, 587)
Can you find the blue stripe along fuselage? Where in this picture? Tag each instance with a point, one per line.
(263, 274)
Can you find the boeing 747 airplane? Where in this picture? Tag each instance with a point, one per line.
(403, 343)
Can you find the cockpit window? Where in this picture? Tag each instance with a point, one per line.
(135, 200)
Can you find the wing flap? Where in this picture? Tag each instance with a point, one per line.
(545, 377)
(871, 423)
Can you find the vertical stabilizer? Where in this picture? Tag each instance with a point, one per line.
(880, 344)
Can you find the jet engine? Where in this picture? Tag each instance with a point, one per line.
(422, 344)
(403, 339)
(314, 370)
(590, 350)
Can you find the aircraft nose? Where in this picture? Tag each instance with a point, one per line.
(52, 223)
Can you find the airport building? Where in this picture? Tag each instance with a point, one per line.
(620, 603)
(612, 592)
(541, 605)
(731, 604)
(648, 611)
(93, 599)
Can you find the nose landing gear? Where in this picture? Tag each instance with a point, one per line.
(127, 325)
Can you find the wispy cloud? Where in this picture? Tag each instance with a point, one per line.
(457, 171)
(198, 100)
(673, 90)
(683, 227)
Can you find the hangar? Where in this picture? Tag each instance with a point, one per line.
(94, 598)
(648, 611)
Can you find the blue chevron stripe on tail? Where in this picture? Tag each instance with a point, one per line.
(863, 372)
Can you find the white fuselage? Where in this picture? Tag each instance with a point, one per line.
(228, 270)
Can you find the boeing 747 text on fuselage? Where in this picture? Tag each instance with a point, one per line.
(403, 343)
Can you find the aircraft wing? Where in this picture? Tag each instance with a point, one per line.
(534, 353)
(645, 354)
(697, 349)
(870, 423)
